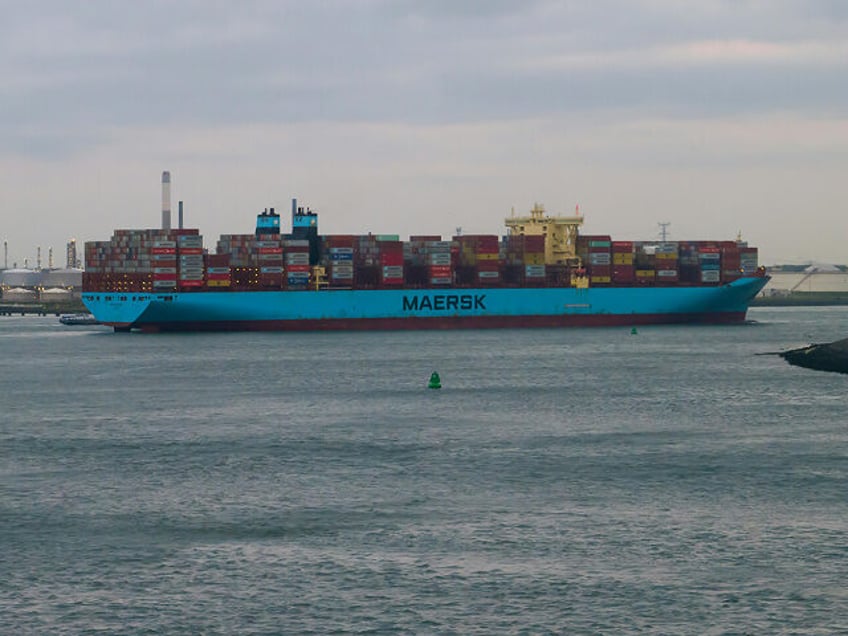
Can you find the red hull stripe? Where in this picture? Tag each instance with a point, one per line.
(447, 322)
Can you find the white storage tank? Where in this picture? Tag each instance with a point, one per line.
(20, 277)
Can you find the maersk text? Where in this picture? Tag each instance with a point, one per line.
(444, 302)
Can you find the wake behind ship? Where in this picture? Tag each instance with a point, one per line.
(542, 273)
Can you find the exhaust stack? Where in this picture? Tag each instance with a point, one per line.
(166, 200)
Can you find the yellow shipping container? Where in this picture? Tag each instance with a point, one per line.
(622, 259)
(600, 279)
(488, 257)
(534, 259)
(666, 257)
(217, 283)
(645, 273)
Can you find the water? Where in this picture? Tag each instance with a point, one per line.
(562, 481)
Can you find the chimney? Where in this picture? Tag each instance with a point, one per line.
(166, 200)
(180, 214)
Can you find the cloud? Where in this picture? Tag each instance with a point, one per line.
(419, 100)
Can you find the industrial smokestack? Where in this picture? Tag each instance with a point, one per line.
(38, 260)
(166, 200)
(180, 214)
(50, 258)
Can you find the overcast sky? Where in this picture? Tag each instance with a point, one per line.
(402, 116)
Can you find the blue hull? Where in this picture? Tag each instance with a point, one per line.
(423, 308)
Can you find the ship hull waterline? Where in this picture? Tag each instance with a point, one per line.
(454, 308)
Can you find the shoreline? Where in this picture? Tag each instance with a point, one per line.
(802, 299)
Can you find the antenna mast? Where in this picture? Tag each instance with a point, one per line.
(664, 230)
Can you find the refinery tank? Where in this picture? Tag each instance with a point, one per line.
(56, 295)
(19, 295)
(64, 277)
(20, 277)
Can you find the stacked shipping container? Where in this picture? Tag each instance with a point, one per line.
(168, 260)
(479, 261)
(623, 269)
(297, 263)
(190, 254)
(596, 254)
(666, 263)
(524, 262)
(135, 261)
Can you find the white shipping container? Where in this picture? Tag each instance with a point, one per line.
(534, 271)
(666, 273)
(439, 258)
(711, 276)
(442, 280)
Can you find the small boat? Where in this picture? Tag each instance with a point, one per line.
(78, 319)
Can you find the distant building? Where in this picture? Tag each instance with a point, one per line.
(71, 259)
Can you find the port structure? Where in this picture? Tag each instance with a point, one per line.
(560, 232)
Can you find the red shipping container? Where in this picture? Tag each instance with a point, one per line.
(189, 250)
(218, 260)
(392, 258)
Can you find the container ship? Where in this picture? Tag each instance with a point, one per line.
(542, 273)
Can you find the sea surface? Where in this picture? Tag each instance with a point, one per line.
(573, 481)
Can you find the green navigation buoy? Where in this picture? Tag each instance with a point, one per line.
(633, 331)
(435, 381)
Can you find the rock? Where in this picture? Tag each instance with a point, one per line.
(832, 356)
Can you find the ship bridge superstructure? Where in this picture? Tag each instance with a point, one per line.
(560, 232)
